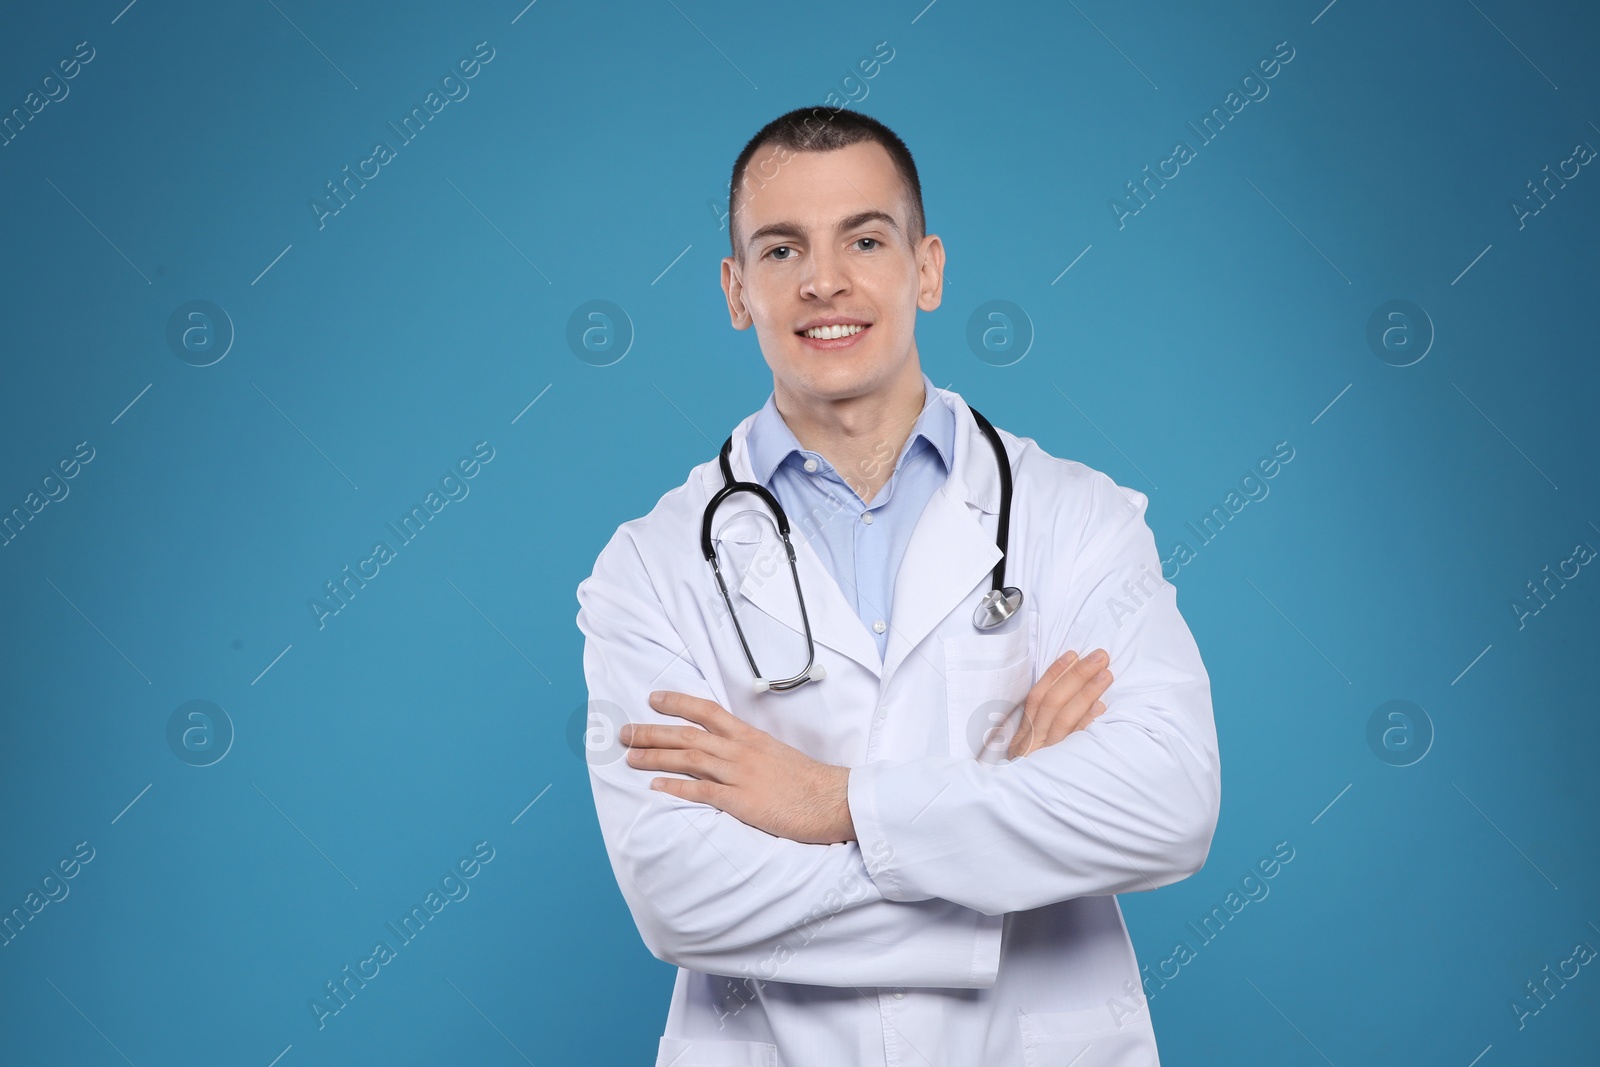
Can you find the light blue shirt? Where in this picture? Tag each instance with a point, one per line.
(860, 545)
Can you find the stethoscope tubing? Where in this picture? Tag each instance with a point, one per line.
(781, 519)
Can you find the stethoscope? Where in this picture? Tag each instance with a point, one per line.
(997, 605)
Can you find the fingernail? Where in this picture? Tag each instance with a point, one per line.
(626, 733)
(657, 697)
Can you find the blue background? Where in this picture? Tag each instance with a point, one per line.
(435, 710)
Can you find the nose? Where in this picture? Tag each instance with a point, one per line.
(826, 276)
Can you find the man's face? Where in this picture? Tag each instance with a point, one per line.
(825, 241)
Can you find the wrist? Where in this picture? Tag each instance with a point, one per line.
(844, 821)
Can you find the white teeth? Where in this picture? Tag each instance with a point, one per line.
(829, 333)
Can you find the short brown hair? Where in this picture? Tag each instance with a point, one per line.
(801, 130)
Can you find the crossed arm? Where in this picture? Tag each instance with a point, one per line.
(767, 860)
(775, 787)
(713, 894)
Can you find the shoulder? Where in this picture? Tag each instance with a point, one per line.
(1078, 495)
(1074, 518)
(1074, 514)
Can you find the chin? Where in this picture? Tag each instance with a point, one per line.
(837, 380)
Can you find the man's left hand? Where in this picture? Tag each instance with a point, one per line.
(743, 771)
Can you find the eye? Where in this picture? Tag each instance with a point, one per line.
(873, 240)
(781, 248)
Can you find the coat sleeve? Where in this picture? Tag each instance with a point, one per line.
(1128, 803)
(715, 895)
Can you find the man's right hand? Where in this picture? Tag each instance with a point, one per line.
(1064, 699)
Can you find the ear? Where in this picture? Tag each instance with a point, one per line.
(930, 272)
(733, 289)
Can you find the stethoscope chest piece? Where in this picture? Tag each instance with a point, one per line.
(996, 607)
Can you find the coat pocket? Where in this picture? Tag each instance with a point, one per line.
(712, 1052)
(986, 678)
(1092, 1037)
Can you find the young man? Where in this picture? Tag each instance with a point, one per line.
(889, 862)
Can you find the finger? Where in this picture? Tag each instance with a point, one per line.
(691, 761)
(1066, 725)
(1070, 680)
(1063, 663)
(1077, 711)
(1020, 739)
(647, 735)
(687, 789)
(637, 735)
(1066, 703)
(707, 713)
(1066, 715)
(1031, 703)
(1098, 709)
(1050, 694)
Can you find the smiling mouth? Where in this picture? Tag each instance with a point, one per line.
(833, 338)
(831, 333)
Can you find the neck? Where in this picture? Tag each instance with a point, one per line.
(861, 436)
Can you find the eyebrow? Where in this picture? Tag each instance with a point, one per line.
(793, 231)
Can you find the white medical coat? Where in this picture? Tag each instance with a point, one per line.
(974, 921)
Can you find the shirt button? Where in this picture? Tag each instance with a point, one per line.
(866, 517)
(878, 627)
(899, 994)
(811, 466)
(883, 713)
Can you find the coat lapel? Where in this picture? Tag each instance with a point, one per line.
(950, 554)
(833, 621)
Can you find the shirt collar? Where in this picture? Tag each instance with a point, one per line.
(770, 440)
